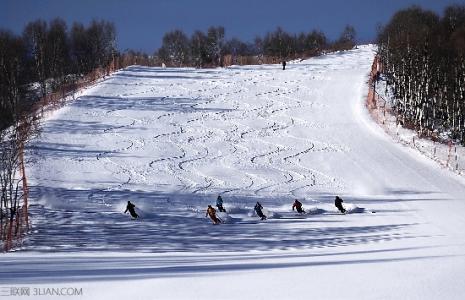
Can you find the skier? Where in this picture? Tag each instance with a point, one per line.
(130, 207)
(219, 204)
(284, 65)
(338, 203)
(258, 209)
(212, 213)
(298, 206)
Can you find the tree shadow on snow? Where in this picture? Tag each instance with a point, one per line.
(68, 220)
(101, 267)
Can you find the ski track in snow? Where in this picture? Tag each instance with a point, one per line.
(236, 132)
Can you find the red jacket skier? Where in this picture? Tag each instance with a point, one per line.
(298, 206)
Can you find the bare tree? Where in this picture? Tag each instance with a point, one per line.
(347, 39)
(10, 182)
(175, 48)
(424, 62)
(35, 36)
(12, 52)
(199, 49)
(58, 51)
(215, 37)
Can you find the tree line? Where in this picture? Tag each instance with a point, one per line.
(208, 49)
(49, 55)
(423, 57)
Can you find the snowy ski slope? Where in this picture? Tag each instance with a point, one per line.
(172, 140)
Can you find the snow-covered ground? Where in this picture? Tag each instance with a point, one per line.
(172, 140)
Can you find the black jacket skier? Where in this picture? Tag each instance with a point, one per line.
(130, 207)
(338, 203)
(258, 209)
(284, 65)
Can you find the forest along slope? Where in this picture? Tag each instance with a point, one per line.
(171, 140)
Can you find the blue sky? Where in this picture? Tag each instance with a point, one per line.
(141, 24)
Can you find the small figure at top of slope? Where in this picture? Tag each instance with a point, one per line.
(298, 206)
(211, 212)
(284, 65)
(131, 208)
(338, 203)
(219, 204)
(258, 209)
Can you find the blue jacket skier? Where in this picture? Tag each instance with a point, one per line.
(219, 204)
(258, 209)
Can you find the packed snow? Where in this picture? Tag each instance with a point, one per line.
(172, 140)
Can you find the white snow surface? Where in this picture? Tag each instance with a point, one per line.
(172, 140)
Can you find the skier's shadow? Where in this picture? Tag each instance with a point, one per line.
(71, 221)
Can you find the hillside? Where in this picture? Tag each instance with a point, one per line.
(172, 140)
